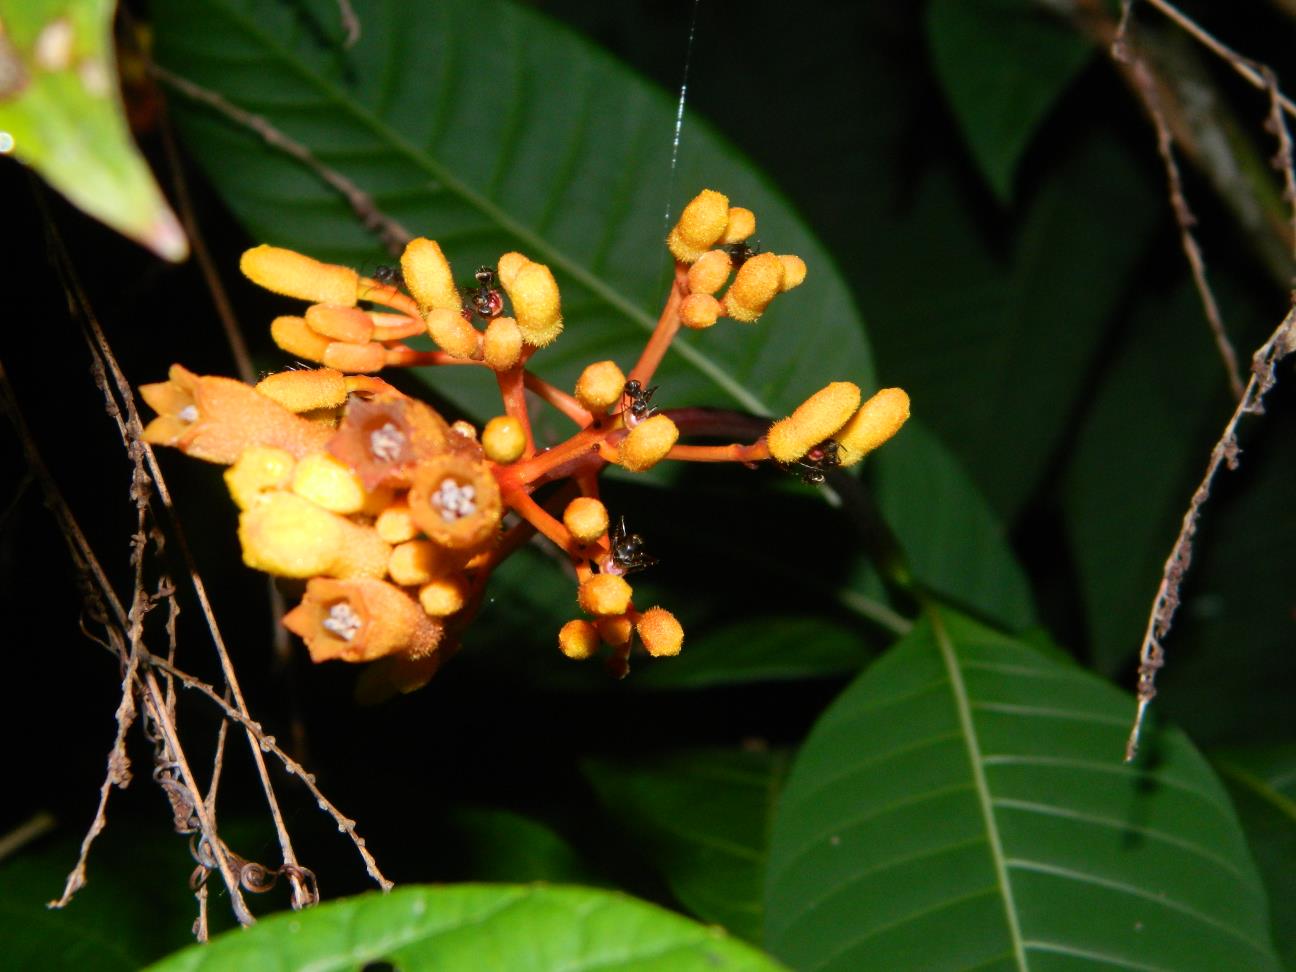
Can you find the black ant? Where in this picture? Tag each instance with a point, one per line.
(628, 553)
(389, 275)
(741, 252)
(484, 300)
(640, 406)
(812, 467)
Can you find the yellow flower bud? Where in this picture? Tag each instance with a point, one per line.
(757, 283)
(502, 343)
(329, 483)
(257, 471)
(742, 224)
(700, 311)
(508, 266)
(578, 640)
(600, 386)
(292, 335)
(349, 324)
(453, 334)
(428, 276)
(456, 502)
(537, 307)
(292, 537)
(647, 443)
(444, 596)
(701, 226)
(815, 419)
(586, 518)
(614, 631)
(395, 524)
(355, 358)
(296, 275)
(395, 327)
(710, 272)
(503, 439)
(418, 562)
(604, 594)
(794, 271)
(660, 633)
(305, 391)
(360, 620)
(876, 421)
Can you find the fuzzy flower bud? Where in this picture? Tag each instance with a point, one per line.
(418, 562)
(604, 594)
(305, 391)
(586, 519)
(444, 596)
(428, 276)
(215, 419)
(503, 439)
(699, 311)
(578, 640)
(537, 307)
(600, 386)
(294, 336)
(647, 443)
(453, 334)
(456, 502)
(701, 226)
(660, 633)
(349, 324)
(742, 224)
(257, 471)
(395, 524)
(710, 272)
(615, 631)
(758, 281)
(329, 483)
(360, 620)
(794, 271)
(296, 275)
(815, 419)
(508, 265)
(876, 421)
(355, 358)
(292, 537)
(502, 343)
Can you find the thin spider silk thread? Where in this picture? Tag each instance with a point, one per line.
(679, 115)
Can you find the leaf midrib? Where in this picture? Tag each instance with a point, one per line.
(702, 362)
(981, 785)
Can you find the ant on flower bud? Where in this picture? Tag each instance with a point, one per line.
(389, 275)
(813, 465)
(628, 553)
(484, 300)
(640, 406)
(740, 253)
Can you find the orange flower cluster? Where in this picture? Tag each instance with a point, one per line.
(395, 518)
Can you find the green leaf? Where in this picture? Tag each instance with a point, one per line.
(964, 805)
(1262, 782)
(702, 819)
(1003, 64)
(995, 350)
(952, 539)
(475, 926)
(61, 114)
(492, 128)
(496, 845)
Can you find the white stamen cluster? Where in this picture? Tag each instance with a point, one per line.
(342, 620)
(455, 501)
(188, 414)
(386, 442)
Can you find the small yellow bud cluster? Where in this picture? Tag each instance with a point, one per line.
(835, 413)
(709, 221)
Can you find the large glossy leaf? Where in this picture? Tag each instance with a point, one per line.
(702, 819)
(964, 805)
(1003, 64)
(953, 541)
(61, 114)
(1262, 781)
(476, 926)
(491, 128)
(995, 347)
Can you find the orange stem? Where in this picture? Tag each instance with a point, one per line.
(379, 293)
(559, 399)
(668, 326)
(578, 449)
(735, 452)
(403, 356)
(535, 514)
(513, 392)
